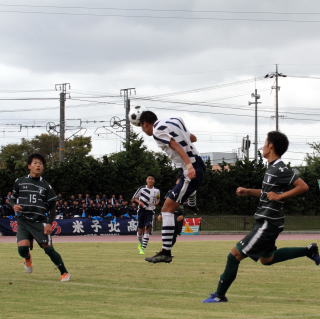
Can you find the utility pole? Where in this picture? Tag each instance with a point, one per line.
(62, 87)
(256, 98)
(277, 88)
(125, 93)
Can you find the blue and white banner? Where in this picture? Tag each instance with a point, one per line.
(79, 226)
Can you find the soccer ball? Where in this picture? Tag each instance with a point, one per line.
(134, 115)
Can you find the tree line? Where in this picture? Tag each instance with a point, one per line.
(125, 171)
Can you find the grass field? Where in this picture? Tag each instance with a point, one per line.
(111, 281)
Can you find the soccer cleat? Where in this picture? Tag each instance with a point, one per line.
(65, 277)
(28, 265)
(215, 298)
(140, 249)
(159, 258)
(313, 253)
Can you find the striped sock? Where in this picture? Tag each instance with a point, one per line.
(145, 240)
(192, 199)
(139, 238)
(167, 232)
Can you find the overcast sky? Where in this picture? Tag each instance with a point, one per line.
(162, 47)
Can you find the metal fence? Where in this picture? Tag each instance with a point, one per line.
(236, 223)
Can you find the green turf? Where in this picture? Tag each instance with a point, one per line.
(110, 280)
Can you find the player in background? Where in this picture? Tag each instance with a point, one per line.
(34, 203)
(147, 197)
(173, 137)
(279, 183)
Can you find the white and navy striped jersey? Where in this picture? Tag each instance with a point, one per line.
(174, 128)
(34, 195)
(148, 196)
(279, 179)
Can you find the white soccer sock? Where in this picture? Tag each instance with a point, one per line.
(139, 238)
(168, 226)
(145, 240)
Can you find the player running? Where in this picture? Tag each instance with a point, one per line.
(34, 203)
(173, 137)
(147, 197)
(279, 183)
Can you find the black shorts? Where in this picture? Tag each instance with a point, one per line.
(145, 218)
(260, 242)
(185, 187)
(29, 230)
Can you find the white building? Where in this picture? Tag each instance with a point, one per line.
(219, 157)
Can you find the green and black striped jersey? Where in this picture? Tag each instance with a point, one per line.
(279, 179)
(34, 195)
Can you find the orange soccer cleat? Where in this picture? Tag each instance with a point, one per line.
(65, 277)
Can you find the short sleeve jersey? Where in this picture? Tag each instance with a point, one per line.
(34, 195)
(148, 196)
(279, 179)
(174, 128)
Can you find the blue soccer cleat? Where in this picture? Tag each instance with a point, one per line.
(215, 298)
(313, 253)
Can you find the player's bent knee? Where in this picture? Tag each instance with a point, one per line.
(266, 261)
(237, 254)
(24, 251)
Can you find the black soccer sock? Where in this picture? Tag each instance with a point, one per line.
(24, 252)
(284, 254)
(229, 275)
(167, 232)
(177, 230)
(55, 258)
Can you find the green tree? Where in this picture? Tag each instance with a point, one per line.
(309, 202)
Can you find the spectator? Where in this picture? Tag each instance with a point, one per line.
(113, 200)
(83, 212)
(87, 199)
(98, 199)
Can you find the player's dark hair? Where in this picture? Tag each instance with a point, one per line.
(150, 175)
(36, 156)
(279, 141)
(148, 117)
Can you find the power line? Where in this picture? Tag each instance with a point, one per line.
(160, 17)
(25, 91)
(224, 106)
(162, 10)
(206, 88)
(230, 114)
(28, 99)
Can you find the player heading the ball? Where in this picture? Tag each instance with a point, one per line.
(173, 137)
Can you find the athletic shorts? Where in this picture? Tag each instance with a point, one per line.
(145, 218)
(260, 242)
(185, 187)
(29, 230)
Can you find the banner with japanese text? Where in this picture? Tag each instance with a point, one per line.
(79, 226)
(191, 226)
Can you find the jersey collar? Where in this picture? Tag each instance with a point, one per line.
(275, 162)
(40, 178)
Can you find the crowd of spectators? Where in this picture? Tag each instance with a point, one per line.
(83, 206)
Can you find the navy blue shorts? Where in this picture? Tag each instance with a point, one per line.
(145, 218)
(185, 187)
